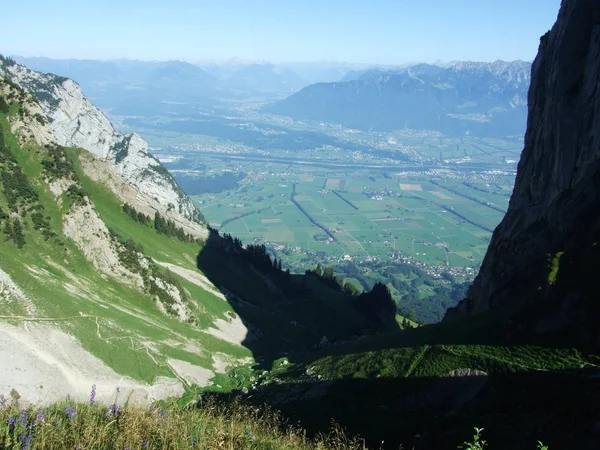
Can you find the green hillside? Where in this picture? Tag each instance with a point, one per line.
(119, 322)
(113, 321)
(430, 386)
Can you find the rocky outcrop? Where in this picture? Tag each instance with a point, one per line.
(75, 122)
(539, 259)
(141, 200)
(85, 227)
(30, 123)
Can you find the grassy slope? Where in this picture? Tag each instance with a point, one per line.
(389, 387)
(67, 285)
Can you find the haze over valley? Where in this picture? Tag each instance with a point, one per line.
(424, 189)
(299, 226)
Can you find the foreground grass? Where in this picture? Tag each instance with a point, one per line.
(233, 426)
(70, 425)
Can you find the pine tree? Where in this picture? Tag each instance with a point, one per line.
(8, 230)
(328, 273)
(319, 270)
(17, 233)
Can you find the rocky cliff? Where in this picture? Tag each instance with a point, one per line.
(75, 122)
(540, 263)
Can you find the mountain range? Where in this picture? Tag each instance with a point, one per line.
(484, 99)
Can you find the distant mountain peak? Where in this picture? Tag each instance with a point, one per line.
(485, 99)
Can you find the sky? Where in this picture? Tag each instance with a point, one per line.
(356, 31)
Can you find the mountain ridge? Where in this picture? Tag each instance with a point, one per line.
(466, 98)
(75, 122)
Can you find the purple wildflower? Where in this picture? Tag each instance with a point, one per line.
(12, 421)
(23, 416)
(194, 441)
(113, 410)
(77, 447)
(25, 440)
(144, 443)
(71, 412)
(40, 417)
(93, 395)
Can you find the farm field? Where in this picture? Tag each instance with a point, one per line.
(412, 209)
(430, 218)
(321, 193)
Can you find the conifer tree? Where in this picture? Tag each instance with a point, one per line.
(17, 233)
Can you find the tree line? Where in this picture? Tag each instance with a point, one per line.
(162, 225)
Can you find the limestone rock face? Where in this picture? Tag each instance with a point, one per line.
(554, 209)
(30, 124)
(75, 122)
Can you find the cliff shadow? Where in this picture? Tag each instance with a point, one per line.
(516, 410)
(289, 314)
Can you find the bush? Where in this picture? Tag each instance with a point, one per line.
(4, 107)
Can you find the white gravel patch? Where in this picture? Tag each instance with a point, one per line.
(190, 373)
(44, 365)
(195, 277)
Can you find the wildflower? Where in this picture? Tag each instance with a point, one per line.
(71, 412)
(144, 443)
(77, 447)
(12, 421)
(112, 411)
(93, 395)
(40, 417)
(194, 441)
(25, 440)
(23, 416)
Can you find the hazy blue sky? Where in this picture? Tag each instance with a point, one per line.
(366, 31)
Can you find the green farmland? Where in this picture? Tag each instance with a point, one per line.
(363, 214)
